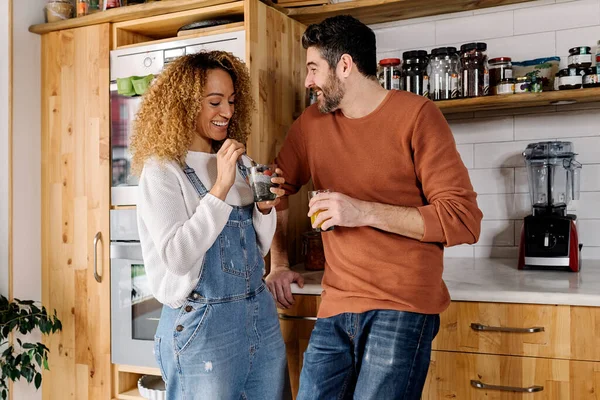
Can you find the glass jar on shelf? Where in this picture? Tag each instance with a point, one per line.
(389, 73)
(443, 73)
(474, 70)
(83, 7)
(500, 68)
(312, 249)
(414, 72)
(58, 10)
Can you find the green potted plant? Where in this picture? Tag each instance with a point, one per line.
(26, 360)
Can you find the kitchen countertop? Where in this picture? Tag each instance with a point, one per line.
(499, 280)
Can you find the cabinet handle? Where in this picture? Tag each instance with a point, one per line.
(480, 327)
(97, 238)
(283, 316)
(530, 389)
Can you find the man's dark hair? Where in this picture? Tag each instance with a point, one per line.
(340, 35)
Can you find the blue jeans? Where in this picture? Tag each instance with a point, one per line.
(378, 355)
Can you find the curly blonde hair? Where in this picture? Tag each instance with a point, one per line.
(166, 121)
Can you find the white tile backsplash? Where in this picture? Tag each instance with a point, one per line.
(497, 233)
(491, 181)
(559, 125)
(407, 36)
(589, 232)
(491, 143)
(474, 28)
(483, 130)
(556, 17)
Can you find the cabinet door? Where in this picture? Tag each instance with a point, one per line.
(500, 377)
(75, 210)
(297, 324)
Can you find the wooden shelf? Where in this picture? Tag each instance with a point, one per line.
(138, 370)
(377, 11)
(524, 100)
(127, 14)
(133, 394)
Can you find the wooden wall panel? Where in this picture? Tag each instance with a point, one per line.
(277, 68)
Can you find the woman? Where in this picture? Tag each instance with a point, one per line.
(203, 239)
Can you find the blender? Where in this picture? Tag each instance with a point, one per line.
(549, 237)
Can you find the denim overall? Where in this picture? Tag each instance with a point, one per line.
(224, 343)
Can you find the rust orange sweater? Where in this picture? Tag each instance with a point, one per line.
(403, 154)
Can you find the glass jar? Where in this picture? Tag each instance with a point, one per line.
(83, 7)
(580, 57)
(414, 72)
(522, 84)
(443, 73)
(569, 78)
(389, 73)
(58, 10)
(500, 68)
(474, 70)
(506, 86)
(591, 78)
(312, 248)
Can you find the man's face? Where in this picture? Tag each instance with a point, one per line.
(324, 81)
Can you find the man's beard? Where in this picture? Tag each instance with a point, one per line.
(332, 94)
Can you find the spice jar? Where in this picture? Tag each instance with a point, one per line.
(414, 76)
(569, 78)
(591, 78)
(522, 84)
(82, 7)
(500, 68)
(474, 70)
(312, 248)
(443, 73)
(506, 86)
(389, 73)
(580, 57)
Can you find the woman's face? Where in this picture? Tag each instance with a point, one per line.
(217, 107)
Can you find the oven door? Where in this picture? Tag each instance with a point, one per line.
(134, 311)
(122, 115)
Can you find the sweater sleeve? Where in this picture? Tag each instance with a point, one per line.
(451, 216)
(181, 240)
(264, 225)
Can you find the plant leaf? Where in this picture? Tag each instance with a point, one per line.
(38, 380)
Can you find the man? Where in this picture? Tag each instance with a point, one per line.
(400, 194)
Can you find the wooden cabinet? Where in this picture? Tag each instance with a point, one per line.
(552, 350)
(457, 375)
(297, 324)
(75, 205)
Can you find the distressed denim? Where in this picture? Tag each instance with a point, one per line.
(375, 355)
(224, 343)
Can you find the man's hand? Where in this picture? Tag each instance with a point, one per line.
(278, 282)
(337, 209)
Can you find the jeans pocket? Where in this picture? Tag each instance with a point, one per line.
(158, 357)
(189, 323)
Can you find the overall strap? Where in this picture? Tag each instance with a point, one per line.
(195, 181)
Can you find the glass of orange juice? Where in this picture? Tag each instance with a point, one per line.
(313, 217)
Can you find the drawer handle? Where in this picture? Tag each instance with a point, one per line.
(283, 316)
(480, 327)
(97, 238)
(530, 389)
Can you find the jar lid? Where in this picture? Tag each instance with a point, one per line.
(414, 54)
(500, 59)
(443, 51)
(590, 71)
(474, 46)
(390, 61)
(580, 50)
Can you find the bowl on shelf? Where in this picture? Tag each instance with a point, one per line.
(152, 387)
(58, 10)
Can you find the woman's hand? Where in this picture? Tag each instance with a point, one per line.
(227, 157)
(265, 206)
